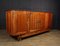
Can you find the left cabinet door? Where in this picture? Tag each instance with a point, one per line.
(11, 22)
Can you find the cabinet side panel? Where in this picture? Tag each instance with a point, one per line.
(8, 19)
(50, 20)
(46, 20)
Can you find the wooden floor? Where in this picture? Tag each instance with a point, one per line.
(51, 38)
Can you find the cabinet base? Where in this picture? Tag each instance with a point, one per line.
(19, 38)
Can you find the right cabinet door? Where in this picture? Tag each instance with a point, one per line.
(36, 22)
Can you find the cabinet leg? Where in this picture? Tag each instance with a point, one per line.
(18, 37)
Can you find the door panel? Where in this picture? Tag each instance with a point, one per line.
(36, 21)
(22, 22)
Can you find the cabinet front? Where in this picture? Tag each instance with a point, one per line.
(25, 22)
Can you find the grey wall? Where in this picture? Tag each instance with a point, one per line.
(34, 5)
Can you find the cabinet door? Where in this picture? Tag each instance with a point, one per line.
(36, 21)
(11, 22)
(22, 21)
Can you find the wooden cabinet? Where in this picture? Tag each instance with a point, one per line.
(26, 23)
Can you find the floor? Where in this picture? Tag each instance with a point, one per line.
(51, 38)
